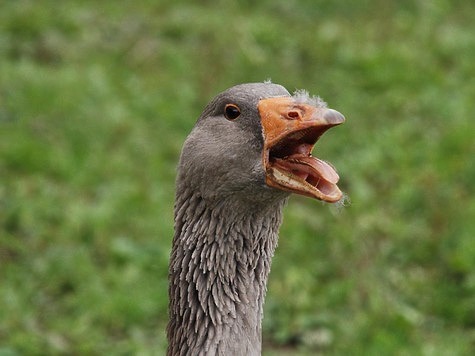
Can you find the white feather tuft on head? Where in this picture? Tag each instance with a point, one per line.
(268, 81)
(302, 96)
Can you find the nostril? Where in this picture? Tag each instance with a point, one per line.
(293, 115)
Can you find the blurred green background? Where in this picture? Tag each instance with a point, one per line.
(96, 99)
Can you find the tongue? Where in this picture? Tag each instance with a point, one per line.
(305, 166)
(322, 168)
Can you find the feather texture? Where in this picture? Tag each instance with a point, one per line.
(219, 268)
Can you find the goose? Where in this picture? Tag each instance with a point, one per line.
(248, 151)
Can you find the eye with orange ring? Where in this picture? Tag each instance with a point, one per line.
(232, 111)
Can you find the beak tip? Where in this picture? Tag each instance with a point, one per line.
(334, 117)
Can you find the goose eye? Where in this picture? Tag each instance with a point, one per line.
(231, 111)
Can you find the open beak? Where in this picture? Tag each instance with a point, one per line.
(291, 129)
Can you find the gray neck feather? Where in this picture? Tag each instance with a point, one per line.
(220, 261)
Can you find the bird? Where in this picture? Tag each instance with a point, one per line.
(248, 151)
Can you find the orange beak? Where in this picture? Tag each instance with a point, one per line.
(291, 129)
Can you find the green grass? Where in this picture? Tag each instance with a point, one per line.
(96, 99)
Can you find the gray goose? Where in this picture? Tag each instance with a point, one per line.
(250, 148)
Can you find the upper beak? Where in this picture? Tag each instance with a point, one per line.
(291, 129)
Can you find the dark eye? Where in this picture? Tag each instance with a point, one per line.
(231, 111)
